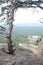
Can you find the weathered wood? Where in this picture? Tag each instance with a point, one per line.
(9, 32)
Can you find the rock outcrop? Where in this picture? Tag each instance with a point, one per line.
(36, 50)
(34, 39)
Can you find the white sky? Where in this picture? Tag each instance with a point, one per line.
(28, 15)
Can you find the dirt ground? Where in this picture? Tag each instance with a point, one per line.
(20, 57)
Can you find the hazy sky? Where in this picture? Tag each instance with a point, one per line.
(28, 15)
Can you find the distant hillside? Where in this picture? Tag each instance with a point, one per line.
(21, 33)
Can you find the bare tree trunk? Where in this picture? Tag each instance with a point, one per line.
(9, 41)
(8, 35)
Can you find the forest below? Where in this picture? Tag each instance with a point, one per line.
(21, 33)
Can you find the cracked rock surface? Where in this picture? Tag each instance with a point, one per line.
(21, 57)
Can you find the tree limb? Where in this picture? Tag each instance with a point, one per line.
(38, 4)
(29, 4)
(2, 28)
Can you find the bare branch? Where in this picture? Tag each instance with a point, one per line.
(29, 4)
(38, 4)
(2, 28)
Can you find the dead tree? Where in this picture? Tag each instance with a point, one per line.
(10, 19)
(10, 16)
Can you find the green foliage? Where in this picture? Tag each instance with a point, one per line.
(0, 0)
(2, 38)
(41, 35)
(20, 35)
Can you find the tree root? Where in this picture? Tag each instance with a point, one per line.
(7, 52)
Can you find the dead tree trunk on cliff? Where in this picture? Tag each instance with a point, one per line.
(10, 14)
(9, 32)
